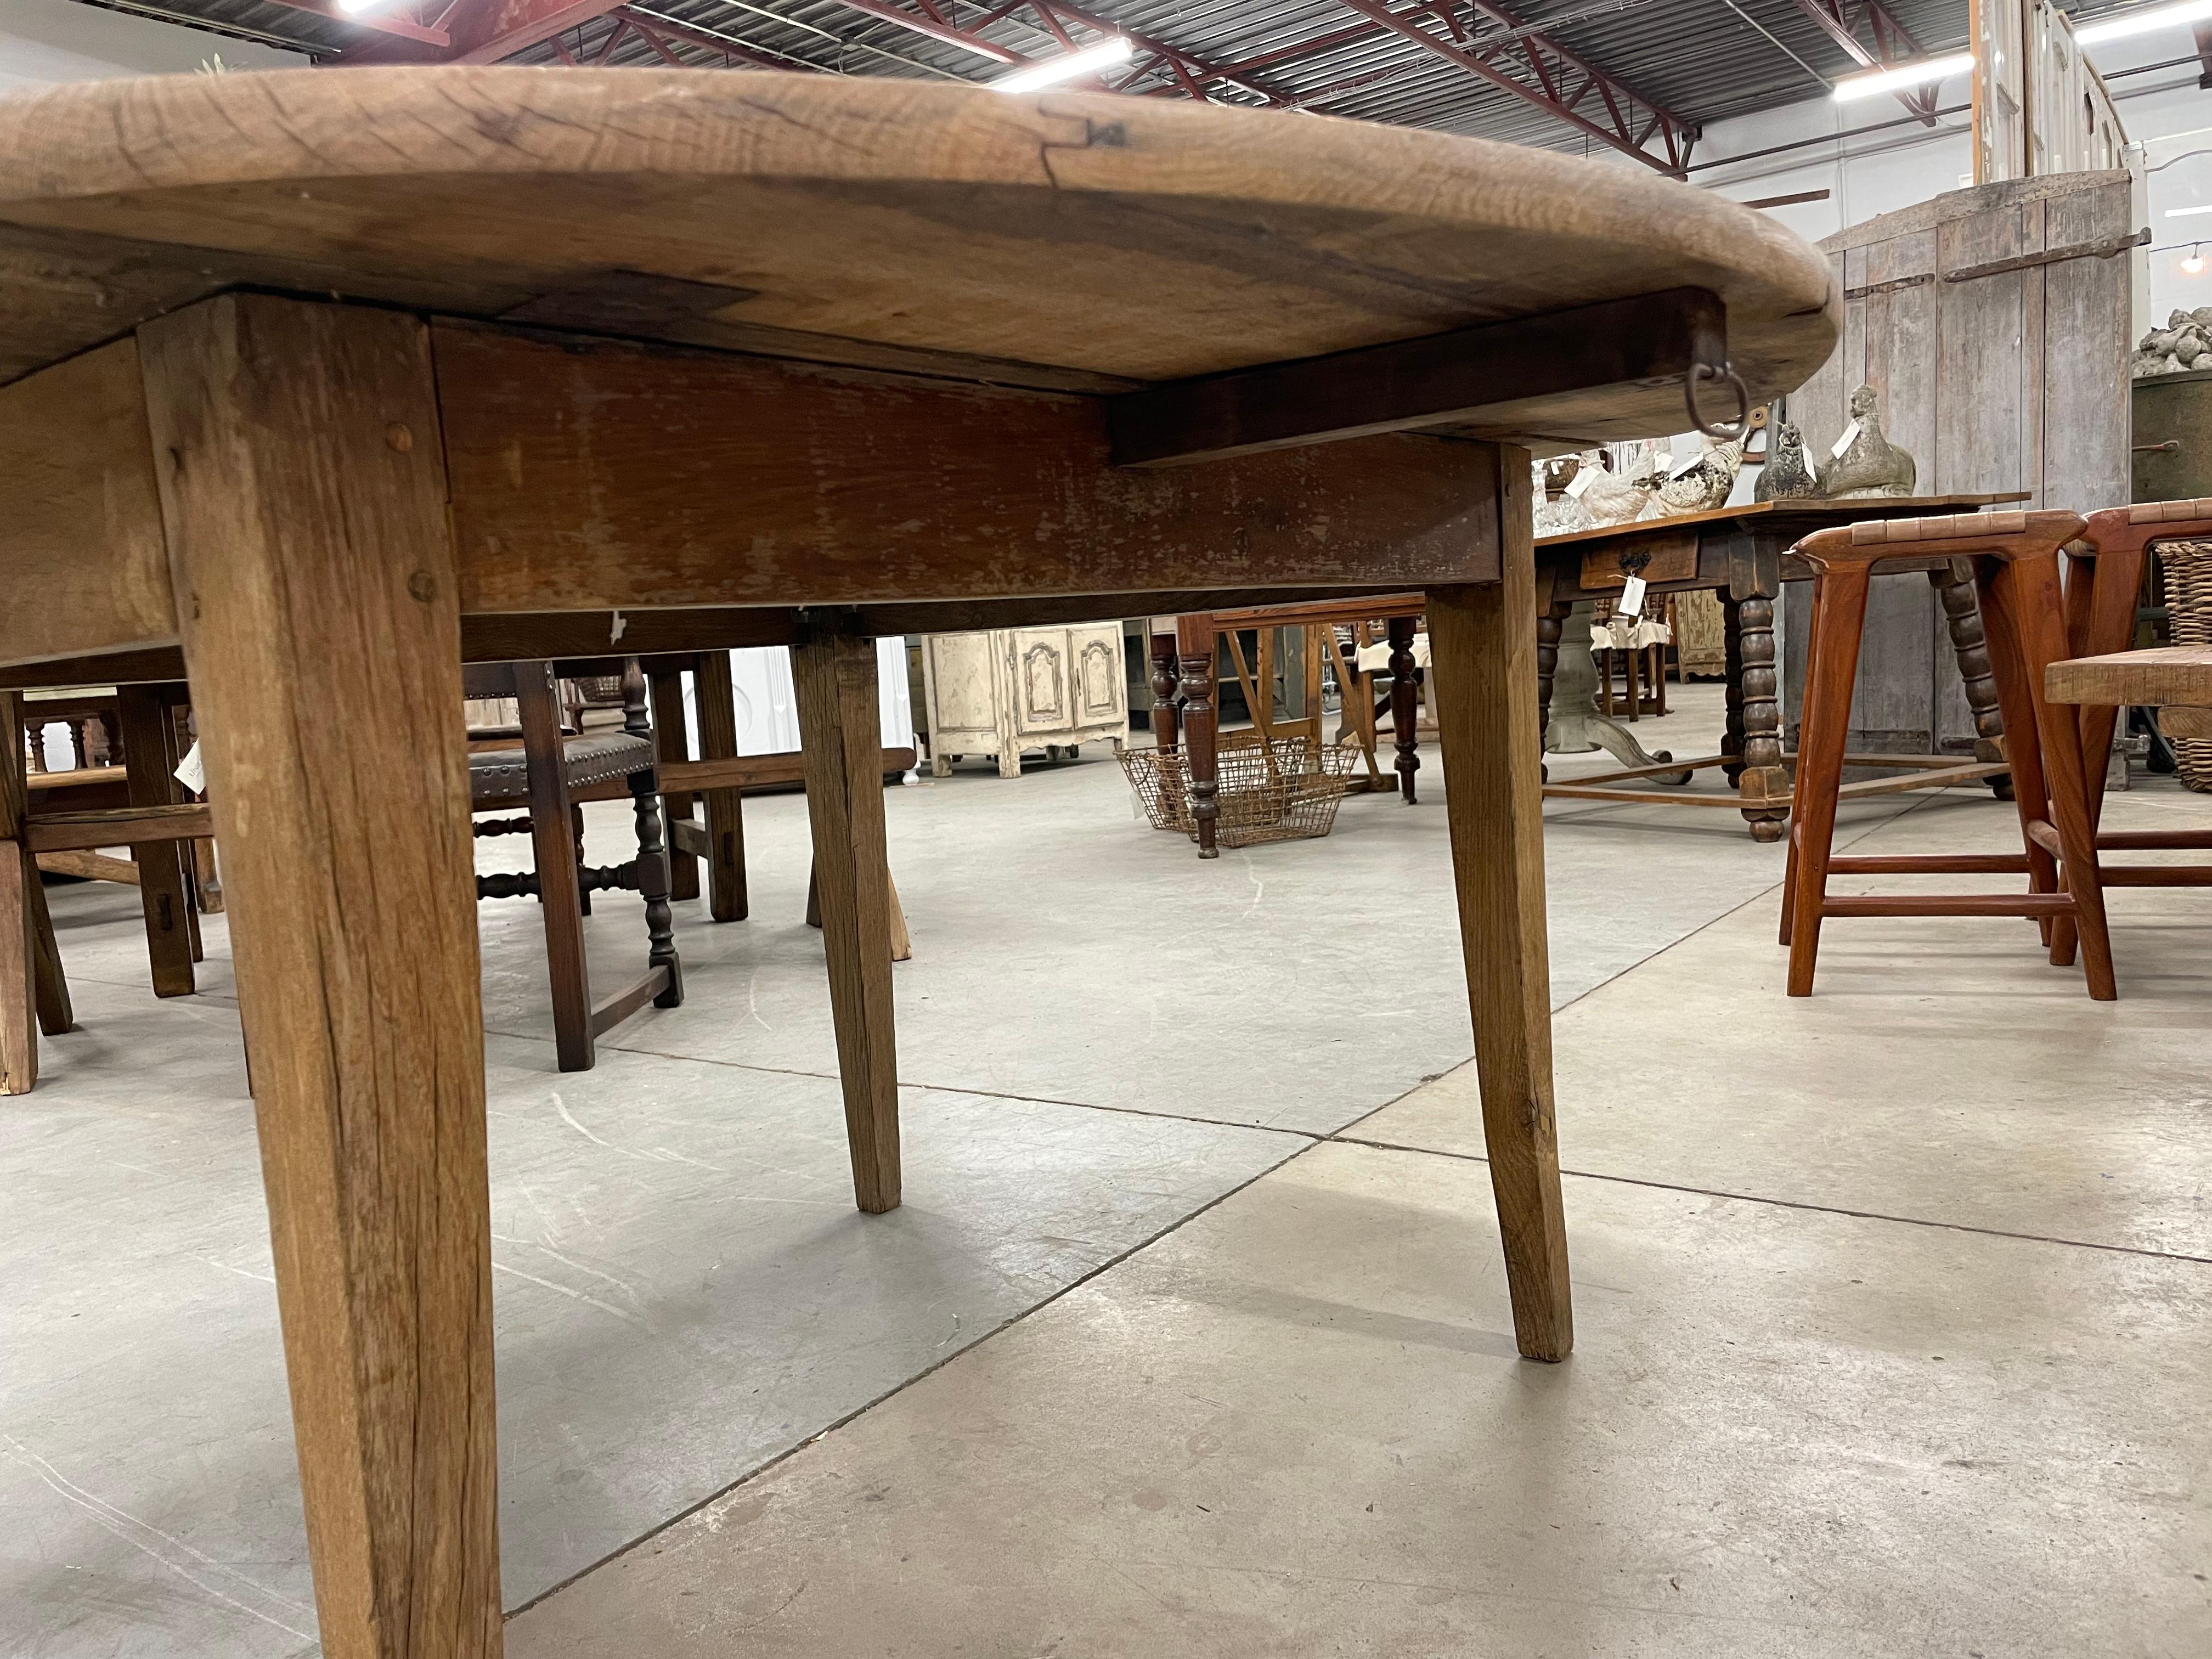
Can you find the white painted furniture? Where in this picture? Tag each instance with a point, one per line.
(1004, 691)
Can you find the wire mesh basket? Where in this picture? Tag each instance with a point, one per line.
(2188, 568)
(1278, 789)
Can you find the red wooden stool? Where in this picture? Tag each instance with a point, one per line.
(2014, 556)
(2103, 576)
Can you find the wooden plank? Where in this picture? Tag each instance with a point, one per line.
(163, 894)
(715, 698)
(612, 1009)
(89, 867)
(2084, 389)
(838, 722)
(553, 837)
(117, 826)
(597, 475)
(1485, 653)
(740, 772)
(2165, 674)
(81, 560)
(1495, 377)
(305, 510)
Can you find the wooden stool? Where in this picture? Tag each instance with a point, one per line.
(2015, 559)
(2104, 577)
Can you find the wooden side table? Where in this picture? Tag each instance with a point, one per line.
(659, 360)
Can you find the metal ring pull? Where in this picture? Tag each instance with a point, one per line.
(1727, 434)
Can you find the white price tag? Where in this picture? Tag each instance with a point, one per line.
(1631, 599)
(1585, 476)
(1685, 465)
(1851, 432)
(191, 771)
(1663, 460)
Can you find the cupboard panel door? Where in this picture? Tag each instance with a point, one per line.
(1041, 679)
(1101, 682)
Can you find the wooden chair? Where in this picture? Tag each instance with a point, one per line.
(2103, 579)
(544, 771)
(2013, 558)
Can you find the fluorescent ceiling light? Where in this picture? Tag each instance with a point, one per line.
(361, 7)
(2183, 213)
(2142, 22)
(1912, 75)
(1069, 67)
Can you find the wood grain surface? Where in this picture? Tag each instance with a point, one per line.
(306, 505)
(1011, 239)
(2164, 676)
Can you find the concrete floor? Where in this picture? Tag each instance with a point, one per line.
(1286, 1418)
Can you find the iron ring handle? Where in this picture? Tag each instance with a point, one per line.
(1727, 434)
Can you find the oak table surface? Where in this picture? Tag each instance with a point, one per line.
(315, 383)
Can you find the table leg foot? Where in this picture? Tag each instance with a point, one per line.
(1198, 724)
(303, 494)
(838, 724)
(1483, 655)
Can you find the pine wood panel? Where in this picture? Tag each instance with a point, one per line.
(2177, 675)
(1145, 239)
(307, 524)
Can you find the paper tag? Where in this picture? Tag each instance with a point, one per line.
(1685, 465)
(1631, 599)
(1844, 443)
(1662, 458)
(1584, 477)
(191, 771)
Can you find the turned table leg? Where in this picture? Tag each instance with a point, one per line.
(1165, 687)
(1548, 623)
(1483, 659)
(840, 737)
(1761, 780)
(1196, 643)
(1405, 704)
(1732, 678)
(304, 496)
(1962, 614)
(715, 699)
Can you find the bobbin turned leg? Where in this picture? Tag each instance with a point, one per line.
(1483, 655)
(303, 493)
(1548, 623)
(1962, 616)
(1165, 675)
(1405, 704)
(1761, 778)
(1732, 678)
(655, 879)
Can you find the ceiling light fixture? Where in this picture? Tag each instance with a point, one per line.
(2187, 212)
(1068, 67)
(2142, 22)
(1911, 74)
(2194, 264)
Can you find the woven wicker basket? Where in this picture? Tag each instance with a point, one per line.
(2188, 567)
(1280, 791)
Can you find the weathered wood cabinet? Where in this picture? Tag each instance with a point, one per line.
(1994, 325)
(1004, 691)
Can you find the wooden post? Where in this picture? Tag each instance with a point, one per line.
(717, 704)
(303, 497)
(161, 888)
(33, 994)
(1197, 642)
(1405, 712)
(1485, 657)
(671, 736)
(554, 849)
(839, 735)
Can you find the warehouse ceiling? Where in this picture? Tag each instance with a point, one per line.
(1637, 76)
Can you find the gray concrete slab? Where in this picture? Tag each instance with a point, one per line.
(1942, 1070)
(1296, 1426)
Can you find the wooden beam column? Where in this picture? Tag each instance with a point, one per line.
(1485, 658)
(303, 493)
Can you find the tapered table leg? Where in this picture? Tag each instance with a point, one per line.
(715, 699)
(304, 498)
(840, 734)
(1485, 658)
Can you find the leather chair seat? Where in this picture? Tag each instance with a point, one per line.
(594, 757)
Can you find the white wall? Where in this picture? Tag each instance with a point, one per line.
(42, 41)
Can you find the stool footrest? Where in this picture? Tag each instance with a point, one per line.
(1931, 864)
(1950, 905)
(2172, 841)
(2153, 875)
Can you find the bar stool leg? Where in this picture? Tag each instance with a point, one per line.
(1822, 742)
(2034, 603)
(1789, 868)
(2016, 702)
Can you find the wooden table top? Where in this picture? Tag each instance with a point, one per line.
(1077, 242)
(2168, 676)
(1789, 518)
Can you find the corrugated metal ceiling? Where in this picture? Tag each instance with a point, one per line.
(1700, 60)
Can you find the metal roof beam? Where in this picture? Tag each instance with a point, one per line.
(1840, 19)
(1557, 90)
